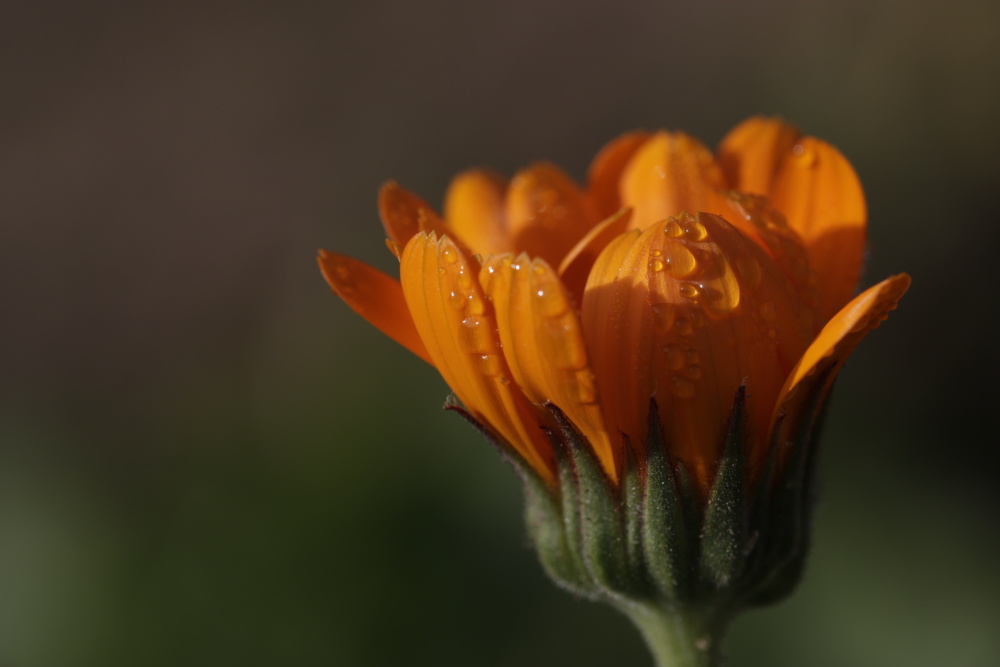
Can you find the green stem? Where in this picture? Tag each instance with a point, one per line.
(678, 638)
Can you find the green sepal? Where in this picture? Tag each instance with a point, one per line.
(543, 516)
(632, 497)
(665, 535)
(792, 506)
(724, 533)
(602, 529)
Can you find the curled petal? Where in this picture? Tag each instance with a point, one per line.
(544, 347)
(669, 174)
(375, 296)
(458, 326)
(813, 375)
(546, 212)
(474, 208)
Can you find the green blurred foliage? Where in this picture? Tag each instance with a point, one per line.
(208, 459)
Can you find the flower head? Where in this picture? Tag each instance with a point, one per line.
(676, 276)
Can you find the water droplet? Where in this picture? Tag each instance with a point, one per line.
(767, 311)
(490, 364)
(504, 380)
(655, 253)
(456, 300)
(566, 351)
(663, 316)
(464, 279)
(656, 265)
(681, 387)
(689, 290)
(449, 254)
(476, 305)
(680, 262)
(673, 229)
(695, 231)
(683, 326)
(441, 270)
(693, 371)
(697, 319)
(692, 357)
(805, 155)
(551, 302)
(343, 273)
(674, 357)
(477, 336)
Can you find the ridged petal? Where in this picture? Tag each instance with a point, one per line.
(474, 208)
(542, 342)
(813, 375)
(374, 296)
(816, 189)
(606, 169)
(669, 174)
(546, 212)
(457, 324)
(686, 312)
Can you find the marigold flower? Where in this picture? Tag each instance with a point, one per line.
(653, 352)
(675, 275)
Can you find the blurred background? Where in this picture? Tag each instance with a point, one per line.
(208, 459)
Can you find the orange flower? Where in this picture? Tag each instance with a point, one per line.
(676, 276)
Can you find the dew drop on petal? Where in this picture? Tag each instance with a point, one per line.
(680, 262)
(695, 231)
(689, 290)
(681, 387)
(656, 265)
(805, 155)
(663, 316)
(449, 255)
(456, 300)
(673, 229)
(693, 371)
(683, 326)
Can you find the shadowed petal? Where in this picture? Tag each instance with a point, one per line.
(813, 375)
(576, 264)
(374, 296)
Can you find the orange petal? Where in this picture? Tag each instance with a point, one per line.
(474, 208)
(813, 375)
(687, 312)
(374, 296)
(576, 264)
(821, 197)
(546, 212)
(400, 212)
(669, 174)
(816, 189)
(606, 170)
(749, 155)
(542, 342)
(458, 326)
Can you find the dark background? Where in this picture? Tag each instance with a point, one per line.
(207, 459)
